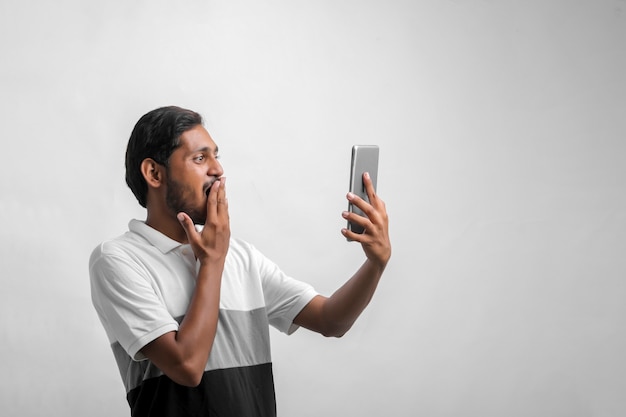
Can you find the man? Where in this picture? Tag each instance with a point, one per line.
(187, 309)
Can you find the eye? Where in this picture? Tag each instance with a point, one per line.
(199, 158)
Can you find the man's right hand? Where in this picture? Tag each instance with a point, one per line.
(212, 243)
(182, 355)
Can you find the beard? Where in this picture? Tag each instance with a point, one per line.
(176, 201)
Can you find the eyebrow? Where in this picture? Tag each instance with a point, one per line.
(208, 150)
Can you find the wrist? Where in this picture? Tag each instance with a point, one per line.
(208, 268)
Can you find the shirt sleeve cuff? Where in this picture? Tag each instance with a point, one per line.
(134, 350)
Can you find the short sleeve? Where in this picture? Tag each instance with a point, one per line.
(284, 296)
(128, 306)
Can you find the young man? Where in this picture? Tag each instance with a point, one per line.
(187, 309)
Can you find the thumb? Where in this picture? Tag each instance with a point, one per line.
(187, 224)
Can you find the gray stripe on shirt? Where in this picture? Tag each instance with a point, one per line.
(242, 339)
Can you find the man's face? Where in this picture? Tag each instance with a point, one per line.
(192, 169)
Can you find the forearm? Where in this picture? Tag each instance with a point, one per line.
(341, 310)
(338, 313)
(182, 355)
(197, 330)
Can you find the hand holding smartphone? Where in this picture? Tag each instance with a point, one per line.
(364, 159)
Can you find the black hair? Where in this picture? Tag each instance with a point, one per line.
(156, 135)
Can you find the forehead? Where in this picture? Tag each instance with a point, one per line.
(196, 138)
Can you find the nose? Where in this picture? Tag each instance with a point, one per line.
(215, 168)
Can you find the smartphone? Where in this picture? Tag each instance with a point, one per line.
(364, 159)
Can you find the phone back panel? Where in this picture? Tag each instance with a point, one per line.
(364, 159)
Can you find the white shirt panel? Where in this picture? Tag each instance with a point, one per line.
(143, 281)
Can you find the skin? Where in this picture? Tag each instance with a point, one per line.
(177, 198)
(335, 315)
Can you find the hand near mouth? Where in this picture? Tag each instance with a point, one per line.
(211, 244)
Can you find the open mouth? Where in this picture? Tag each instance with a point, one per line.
(209, 185)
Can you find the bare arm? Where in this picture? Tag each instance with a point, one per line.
(182, 355)
(335, 315)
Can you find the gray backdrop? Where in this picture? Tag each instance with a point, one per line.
(502, 129)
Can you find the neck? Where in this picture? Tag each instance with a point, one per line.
(167, 224)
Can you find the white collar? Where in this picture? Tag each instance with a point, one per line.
(153, 236)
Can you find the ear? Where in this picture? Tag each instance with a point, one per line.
(153, 173)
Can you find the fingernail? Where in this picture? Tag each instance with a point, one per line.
(350, 196)
(367, 175)
(345, 214)
(180, 217)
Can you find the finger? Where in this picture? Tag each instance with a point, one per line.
(188, 226)
(222, 190)
(222, 200)
(357, 220)
(363, 205)
(212, 200)
(351, 236)
(369, 188)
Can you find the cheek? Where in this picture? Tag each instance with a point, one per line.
(185, 191)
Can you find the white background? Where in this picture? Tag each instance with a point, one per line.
(502, 128)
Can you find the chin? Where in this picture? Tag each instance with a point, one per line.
(200, 220)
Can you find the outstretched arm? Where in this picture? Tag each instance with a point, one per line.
(335, 315)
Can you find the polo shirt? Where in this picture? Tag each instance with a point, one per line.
(141, 286)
